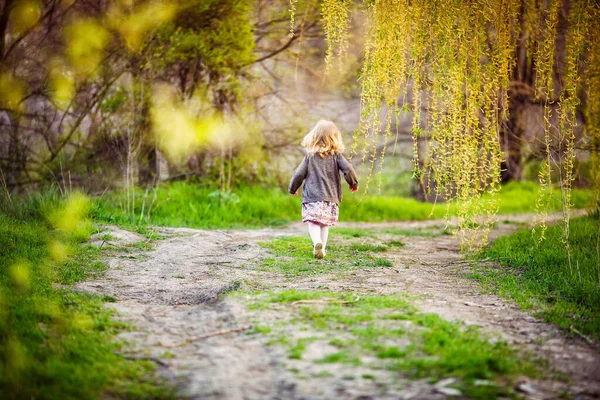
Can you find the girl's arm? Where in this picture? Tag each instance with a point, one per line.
(299, 176)
(348, 172)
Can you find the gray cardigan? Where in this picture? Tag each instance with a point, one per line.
(322, 175)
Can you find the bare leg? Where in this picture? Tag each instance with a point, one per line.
(314, 230)
(315, 234)
(324, 235)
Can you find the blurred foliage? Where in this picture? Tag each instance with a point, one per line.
(55, 343)
(86, 40)
(216, 32)
(136, 23)
(12, 91)
(25, 14)
(123, 57)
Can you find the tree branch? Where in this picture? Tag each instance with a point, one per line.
(28, 31)
(4, 13)
(290, 41)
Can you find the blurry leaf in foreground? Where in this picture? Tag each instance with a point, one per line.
(15, 356)
(19, 273)
(134, 26)
(240, 135)
(178, 131)
(82, 322)
(25, 14)
(47, 308)
(70, 217)
(86, 40)
(58, 251)
(62, 85)
(12, 91)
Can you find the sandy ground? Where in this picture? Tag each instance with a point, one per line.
(173, 297)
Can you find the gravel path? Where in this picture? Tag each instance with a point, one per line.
(173, 296)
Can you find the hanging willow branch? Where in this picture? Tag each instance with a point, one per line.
(335, 14)
(457, 58)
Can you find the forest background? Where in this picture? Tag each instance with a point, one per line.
(114, 97)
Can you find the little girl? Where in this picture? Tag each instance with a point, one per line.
(322, 190)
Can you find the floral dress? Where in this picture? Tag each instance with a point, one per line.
(321, 212)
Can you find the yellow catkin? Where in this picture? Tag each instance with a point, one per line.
(569, 101)
(336, 18)
(292, 10)
(544, 85)
(592, 114)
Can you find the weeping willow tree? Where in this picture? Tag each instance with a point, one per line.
(456, 60)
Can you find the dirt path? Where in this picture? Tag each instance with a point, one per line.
(172, 295)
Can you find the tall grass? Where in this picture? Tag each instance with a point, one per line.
(55, 343)
(34, 206)
(539, 276)
(197, 206)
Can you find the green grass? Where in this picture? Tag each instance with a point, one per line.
(55, 343)
(186, 204)
(191, 205)
(433, 231)
(293, 256)
(520, 197)
(419, 345)
(539, 277)
(385, 327)
(360, 247)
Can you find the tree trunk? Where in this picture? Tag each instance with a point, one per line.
(512, 132)
(16, 158)
(147, 156)
(148, 166)
(520, 94)
(4, 14)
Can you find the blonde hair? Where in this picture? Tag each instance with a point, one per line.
(324, 139)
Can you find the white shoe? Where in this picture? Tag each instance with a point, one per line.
(318, 251)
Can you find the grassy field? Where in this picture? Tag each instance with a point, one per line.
(184, 204)
(293, 256)
(376, 332)
(55, 343)
(538, 277)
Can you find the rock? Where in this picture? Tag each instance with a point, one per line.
(409, 394)
(114, 236)
(448, 391)
(445, 382)
(442, 387)
(527, 388)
